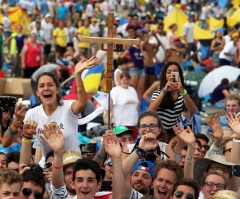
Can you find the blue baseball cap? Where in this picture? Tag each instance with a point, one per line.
(190, 16)
(145, 166)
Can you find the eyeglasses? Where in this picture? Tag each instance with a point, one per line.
(227, 150)
(143, 127)
(179, 194)
(27, 192)
(109, 163)
(48, 165)
(224, 170)
(206, 147)
(211, 185)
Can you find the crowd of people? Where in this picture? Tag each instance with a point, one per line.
(161, 153)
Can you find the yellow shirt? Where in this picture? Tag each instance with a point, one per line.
(83, 32)
(61, 37)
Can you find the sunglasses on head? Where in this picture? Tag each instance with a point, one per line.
(27, 192)
(179, 194)
(108, 162)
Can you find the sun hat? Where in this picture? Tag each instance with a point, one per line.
(202, 164)
(122, 129)
(70, 157)
(145, 166)
(225, 194)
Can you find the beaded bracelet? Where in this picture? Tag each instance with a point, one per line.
(26, 140)
(11, 132)
(99, 156)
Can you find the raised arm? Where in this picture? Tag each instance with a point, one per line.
(79, 105)
(14, 130)
(29, 129)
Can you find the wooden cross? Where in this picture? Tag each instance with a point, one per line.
(109, 41)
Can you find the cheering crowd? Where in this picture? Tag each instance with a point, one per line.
(161, 153)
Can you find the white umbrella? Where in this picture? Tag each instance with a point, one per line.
(214, 78)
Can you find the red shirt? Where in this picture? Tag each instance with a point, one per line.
(33, 55)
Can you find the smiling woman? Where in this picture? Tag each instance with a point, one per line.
(60, 114)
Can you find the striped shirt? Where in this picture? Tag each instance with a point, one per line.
(169, 117)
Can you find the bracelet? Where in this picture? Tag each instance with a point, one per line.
(15, 124)
(57, 167)
(99, 156)
(237, 141)
(27, 135)
(189, 162)
(164, 91)
(184, 93)
(188, 158)
(11, 132)
(26, 140)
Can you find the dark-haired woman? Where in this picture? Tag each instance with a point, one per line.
(168, 100)
(61, 114)
(149, 122)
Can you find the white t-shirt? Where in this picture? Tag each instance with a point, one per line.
(227, 39)
(188, 30)
(201, 196)
(23, 4)
(94, 30)
(6, 23)
(40, 35)
(30, 7)
(162, 48)
(170, 9)
(170, 35)
(123, 30)
(115, 76)
(51, 5)
(125, 103)
(228, 48)
(105, 8)
(48, 31)
(70, 31)
(99, 54)
(62, 118)
(89, 10)
(204, 13)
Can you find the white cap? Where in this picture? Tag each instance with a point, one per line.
(48, 15)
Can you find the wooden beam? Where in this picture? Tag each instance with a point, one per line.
(102, 40)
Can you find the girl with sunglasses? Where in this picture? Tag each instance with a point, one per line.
(168, 100)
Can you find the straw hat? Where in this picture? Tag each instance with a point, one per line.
(202, 164)
(71, 156)
(225, 194)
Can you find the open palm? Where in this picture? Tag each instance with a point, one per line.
(185, 135)
(214, 124)
(54, 138)
(84, 64)
(234, 123)
(112, 146)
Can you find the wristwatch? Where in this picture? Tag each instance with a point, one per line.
(140, 152)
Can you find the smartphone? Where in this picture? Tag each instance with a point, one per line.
(106, 186)
(7, 102)
(174, 76)
(186, 125)
(236, 170)
(88, 148)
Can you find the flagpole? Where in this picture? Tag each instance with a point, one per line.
(109, 119)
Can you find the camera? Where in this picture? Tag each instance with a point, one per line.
(88, 148)
(35, 167)
(174, 76)
(150, 156)
(7, 102)
(25, 103)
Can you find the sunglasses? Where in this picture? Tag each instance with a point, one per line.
(227, 150)
(109, 163)
(206, 147)
(179, 194)
(27, 192)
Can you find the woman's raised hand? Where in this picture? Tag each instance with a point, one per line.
(30, 127)
(170, 86)
(214, 124)
(184, 134)
(85, 63)
(19, 112)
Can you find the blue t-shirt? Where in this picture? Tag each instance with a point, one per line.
(44, 7)
(20, 42)
(62, 13)
(79, 7)
(195, 121)
(136, 57)
(217, 94)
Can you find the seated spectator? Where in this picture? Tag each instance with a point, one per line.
(187, 187)
(220, 92)
(10, 184)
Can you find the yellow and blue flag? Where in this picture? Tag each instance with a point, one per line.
(92, 77)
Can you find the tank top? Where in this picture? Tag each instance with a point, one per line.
(33, 55)
(4, 128)
(162, 146)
